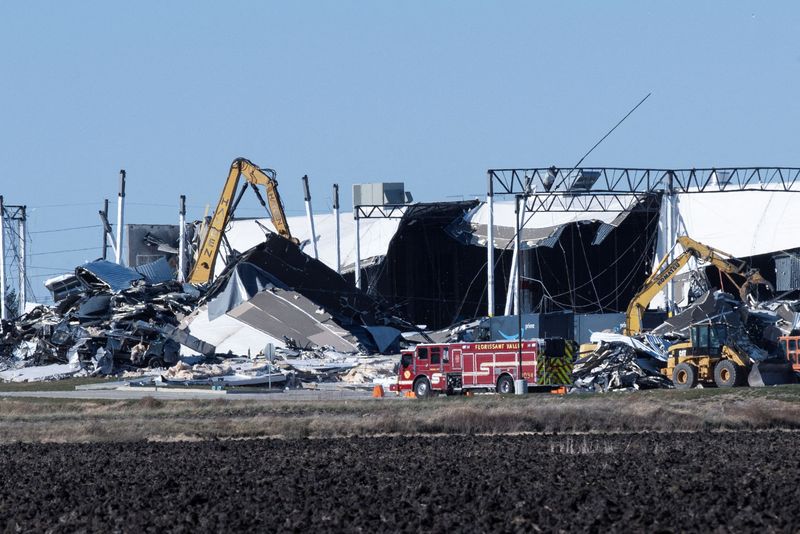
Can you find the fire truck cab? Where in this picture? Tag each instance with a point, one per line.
(453, 368)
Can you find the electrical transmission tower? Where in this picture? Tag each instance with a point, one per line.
(13, 272)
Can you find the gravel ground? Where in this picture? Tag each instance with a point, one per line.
(729, 481)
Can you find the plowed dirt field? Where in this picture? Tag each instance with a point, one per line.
(739, 481)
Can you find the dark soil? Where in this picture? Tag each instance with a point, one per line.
(645, 482)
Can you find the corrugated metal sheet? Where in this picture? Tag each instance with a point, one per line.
(602, 233)
(787, 272)
(157, 271)
(116, 277)
(551, 241)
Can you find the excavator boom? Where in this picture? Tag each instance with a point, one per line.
(255, 176)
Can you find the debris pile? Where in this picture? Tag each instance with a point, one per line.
(286, 295)
(113, 317)
(751, 329)
(617, 366)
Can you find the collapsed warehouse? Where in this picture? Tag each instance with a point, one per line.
(394, 273)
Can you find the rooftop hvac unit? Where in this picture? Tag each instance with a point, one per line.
(584, 182)
(721, 178)
(381, 194)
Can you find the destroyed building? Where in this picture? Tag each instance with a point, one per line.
(588, 240)
(585, 248)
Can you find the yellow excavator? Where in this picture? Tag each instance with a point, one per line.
(254, 177)
(726, 264)
(712, 354)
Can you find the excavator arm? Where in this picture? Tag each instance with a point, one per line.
(727, 264)
(256, 177)
(662, 275)
(207, 254)
(652, 286)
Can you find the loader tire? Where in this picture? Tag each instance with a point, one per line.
(505, 385)
(422, 388)
(684, 376)
(727, 374)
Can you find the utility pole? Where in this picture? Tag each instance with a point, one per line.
(109, 236)
(120, 215)
(310, 215)
(338, 230)
(520, 384)
(512, 295)
(182, 240)
(105, 231)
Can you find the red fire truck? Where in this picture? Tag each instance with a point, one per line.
(455, 367)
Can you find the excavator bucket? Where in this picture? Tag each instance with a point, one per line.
(771, 373)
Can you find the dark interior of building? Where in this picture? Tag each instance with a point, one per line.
(438, 281)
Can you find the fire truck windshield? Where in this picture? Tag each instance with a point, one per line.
(405, 360)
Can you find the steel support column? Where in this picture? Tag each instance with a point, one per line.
(490, 248)
(358, 250)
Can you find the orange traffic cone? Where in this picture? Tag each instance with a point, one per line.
(377, 392)
(410, 395)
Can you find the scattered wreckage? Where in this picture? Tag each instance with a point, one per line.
(111, 317)
(616, 365)
(715, 328)
(297, 320)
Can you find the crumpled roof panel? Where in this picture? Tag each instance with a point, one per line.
(105, 274)
(157, 271)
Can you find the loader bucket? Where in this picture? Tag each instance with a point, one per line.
(770, 373)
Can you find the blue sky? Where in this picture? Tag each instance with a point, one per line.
(426, 92)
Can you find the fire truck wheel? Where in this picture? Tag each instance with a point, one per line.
(422, 388)
(505, 385)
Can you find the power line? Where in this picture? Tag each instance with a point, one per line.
(63, 251)
(50, 268)
(66, 229)
(63, 205)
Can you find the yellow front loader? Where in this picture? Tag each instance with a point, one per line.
(712, 356)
